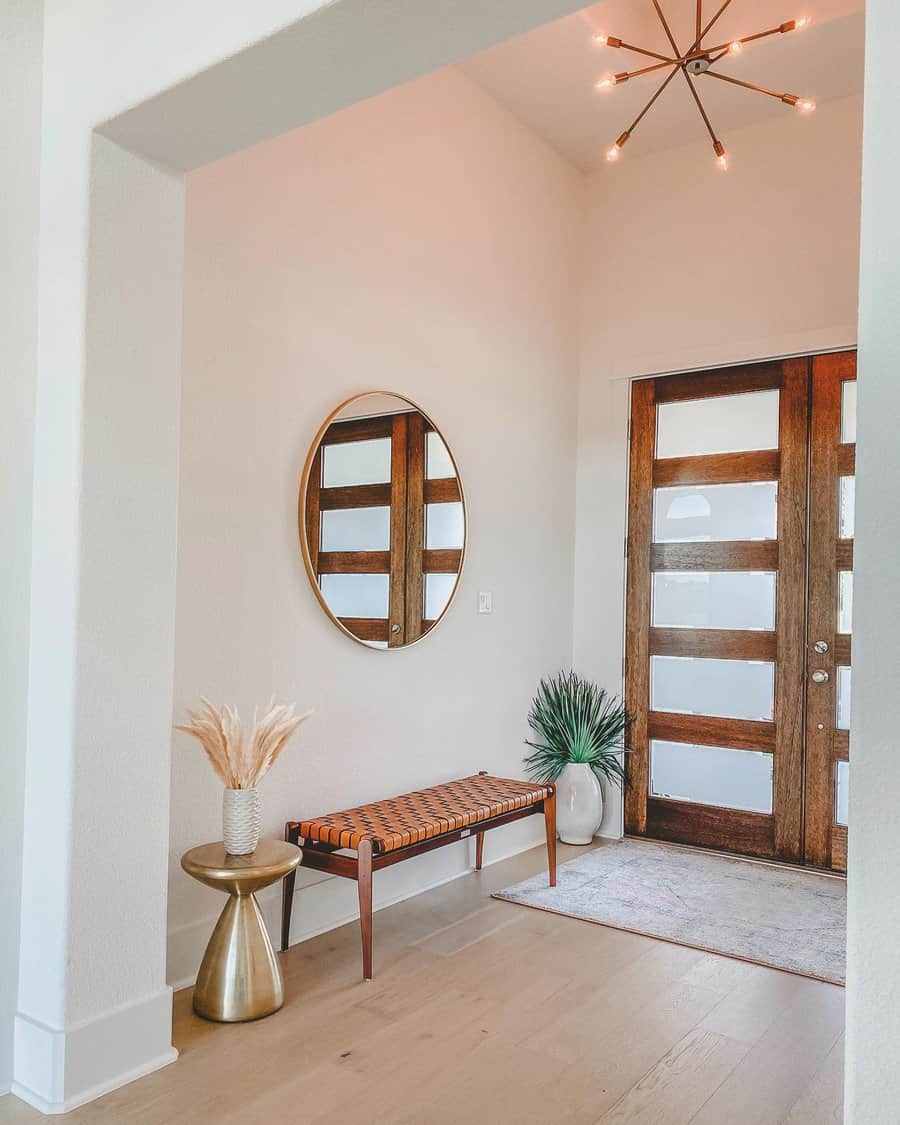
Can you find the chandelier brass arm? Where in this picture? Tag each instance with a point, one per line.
(709, 26)
(666, 29)
(805, 105)
(613, 153)
(703, 114)
(620, 44)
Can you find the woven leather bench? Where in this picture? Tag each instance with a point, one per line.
(387, 832)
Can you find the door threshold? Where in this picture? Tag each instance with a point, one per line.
(840, 875)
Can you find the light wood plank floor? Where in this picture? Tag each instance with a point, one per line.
(485, 1008)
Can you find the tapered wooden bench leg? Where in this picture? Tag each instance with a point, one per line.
(479, 837)
(364, 886)
(550, 827)
(292, 835)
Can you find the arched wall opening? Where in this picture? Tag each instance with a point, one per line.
(119, 132)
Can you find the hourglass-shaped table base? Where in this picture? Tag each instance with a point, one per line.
(239, 977)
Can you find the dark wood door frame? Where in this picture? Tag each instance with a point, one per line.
(826, 841)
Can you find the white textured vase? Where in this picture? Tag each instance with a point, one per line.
(240, 820)
(579, 804)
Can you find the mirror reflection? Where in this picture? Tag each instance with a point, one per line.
(382, 521)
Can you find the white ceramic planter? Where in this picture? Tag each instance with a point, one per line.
(579, 804)
(240, 820)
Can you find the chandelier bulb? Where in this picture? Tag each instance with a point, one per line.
(601, 40)
(736, 47)
(721, 156)
(805, 105)
(613, 153)
(606, 83)
(799, 24)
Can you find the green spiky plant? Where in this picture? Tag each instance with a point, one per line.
(574, 720)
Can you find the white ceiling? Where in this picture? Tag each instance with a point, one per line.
(546, 77)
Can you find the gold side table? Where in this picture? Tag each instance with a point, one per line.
(239, 978)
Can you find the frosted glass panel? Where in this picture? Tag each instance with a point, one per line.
(848, 411)
(848, 507)
(843, 699)
(357, 462)
(444, 526)
(708, 512)
(717, 600)
(438, 588)
(845, 601)
(438, 463)
(356, 595)
(356, 529)
(731, 689)
(711, 775)
(725, 424)
(841, 792)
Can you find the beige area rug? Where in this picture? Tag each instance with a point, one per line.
(789, 919)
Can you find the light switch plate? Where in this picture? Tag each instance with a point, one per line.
(485, 602)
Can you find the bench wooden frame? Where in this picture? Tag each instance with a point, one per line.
(329, 858)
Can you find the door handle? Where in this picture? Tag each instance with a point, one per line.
(820, 676)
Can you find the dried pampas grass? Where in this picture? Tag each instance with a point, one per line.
(242, 763)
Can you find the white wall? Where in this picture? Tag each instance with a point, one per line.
(20, 116)
(423, 242)
(688, 268)
(873, 972)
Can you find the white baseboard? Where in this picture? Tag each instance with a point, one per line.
(58, 1069)
(328, 902)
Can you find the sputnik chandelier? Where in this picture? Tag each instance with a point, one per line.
(697, 60)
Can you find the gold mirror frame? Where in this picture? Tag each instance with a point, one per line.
(312, 570)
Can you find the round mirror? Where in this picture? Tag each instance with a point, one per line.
(382, 520)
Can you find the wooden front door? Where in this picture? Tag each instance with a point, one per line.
(727, 533)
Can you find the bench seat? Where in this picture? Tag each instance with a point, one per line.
(401, 821)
